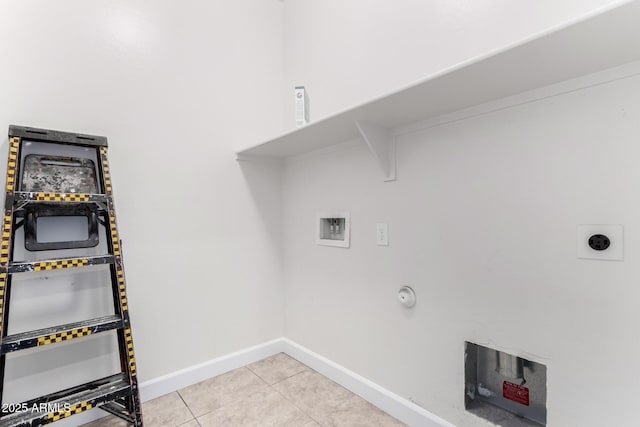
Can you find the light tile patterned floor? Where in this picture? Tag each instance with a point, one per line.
(278, 391)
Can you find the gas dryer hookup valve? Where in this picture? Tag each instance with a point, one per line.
(407, 296)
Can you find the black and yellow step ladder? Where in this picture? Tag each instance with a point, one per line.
(31, 194)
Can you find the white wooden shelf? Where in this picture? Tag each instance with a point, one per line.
(590, 44)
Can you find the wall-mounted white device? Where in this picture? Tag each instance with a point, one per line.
(407, 296)
(333, 229)
(382, 234)
(302, 106)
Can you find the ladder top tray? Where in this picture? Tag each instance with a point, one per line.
(37, 134)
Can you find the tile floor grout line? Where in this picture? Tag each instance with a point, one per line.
(351, 395)
(309, 369)
(279, 381)
(184, 424)
(342, 405)
(257, 376)
(229, 403)
(271, 386)
(296, 406)
(306, 368)
(188, 408)
(298, 373)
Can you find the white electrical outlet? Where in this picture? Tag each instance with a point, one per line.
(382, 234)
(601, 241)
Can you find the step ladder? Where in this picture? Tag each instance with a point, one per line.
(37, 186)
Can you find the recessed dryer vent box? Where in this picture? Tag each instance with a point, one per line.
(333, 229)
(503, 388)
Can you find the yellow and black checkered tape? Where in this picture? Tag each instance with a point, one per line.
(132, 361)
(62, 197)
(3, 279)
(64, 336)
(105, 170)
(114, 235)
(74, 409)
(12, 164)
(123, 290)
(57, 265)
(6, 239)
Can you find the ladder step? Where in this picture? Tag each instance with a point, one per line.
(59, 263)
(119, 410)
(24, 196)
(63, 404)
(60, 333)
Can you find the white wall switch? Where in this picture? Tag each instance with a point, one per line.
(601, 241)
(382, 234)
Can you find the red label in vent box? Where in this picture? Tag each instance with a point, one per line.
(515, 392)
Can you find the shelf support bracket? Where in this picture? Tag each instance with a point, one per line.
(382, 146)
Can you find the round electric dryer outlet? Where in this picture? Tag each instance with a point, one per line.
(604, 242)
(599, 242)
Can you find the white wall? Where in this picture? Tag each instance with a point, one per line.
(482, 224)
(467, 216)
(175, 86)
(482, 218)
(347, 52)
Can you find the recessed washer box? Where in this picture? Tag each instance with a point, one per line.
(333, 229)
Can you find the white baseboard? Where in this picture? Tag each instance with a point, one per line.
(396, 406)
(194, 374)
(185, 377)
(402, 409)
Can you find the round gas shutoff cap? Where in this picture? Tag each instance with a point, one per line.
(407, 296)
